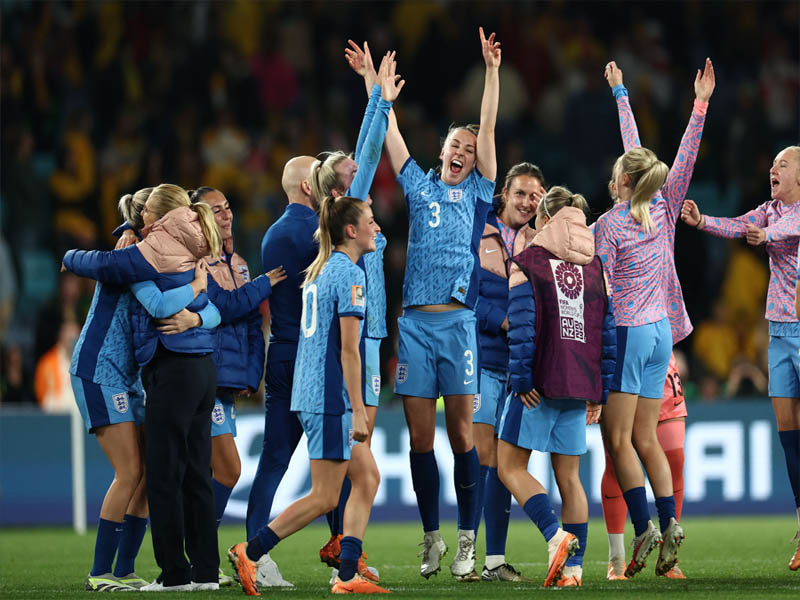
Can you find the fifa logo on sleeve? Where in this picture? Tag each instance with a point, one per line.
(120, 402)
(402, 372)
(358, 295)
(455, 195)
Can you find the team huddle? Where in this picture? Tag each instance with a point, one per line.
(529, 323)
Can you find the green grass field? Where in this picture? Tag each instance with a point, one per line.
(730, 557)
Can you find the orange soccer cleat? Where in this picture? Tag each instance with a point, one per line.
(616, 573)
(244, 567)
(794, 564)
(560, 547)
(357, 585)
(329, 553)
(570, 577)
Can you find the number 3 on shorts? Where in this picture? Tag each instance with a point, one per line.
(470, 367)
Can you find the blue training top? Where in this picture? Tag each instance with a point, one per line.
(338, 291)
(445, 223)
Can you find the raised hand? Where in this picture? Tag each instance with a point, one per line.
(690, 214)
(360, 60)
(276, 275)
(491, 50)
(704, 84)
(390, 82)
(613, 75)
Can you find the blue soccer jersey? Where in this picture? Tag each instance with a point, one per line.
(444, 229)
(339, 291)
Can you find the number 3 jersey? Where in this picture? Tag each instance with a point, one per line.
(445, 223)
(338, 291)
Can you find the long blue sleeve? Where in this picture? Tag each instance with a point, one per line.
(370, 154)
(609, 357)
(240, 302)
(209, 315)
(119, 267)
(372, 103)
(521, 336)
(162, 304)
(256, 354)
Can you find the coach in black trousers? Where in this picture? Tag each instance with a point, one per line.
(180, 397)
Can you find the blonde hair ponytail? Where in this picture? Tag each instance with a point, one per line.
(334, 215)
(131, 206)
(557, 198)
(324, 178)
(209, 227)
(647, 175)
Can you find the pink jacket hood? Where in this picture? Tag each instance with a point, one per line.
(567, 236)
(175, 242)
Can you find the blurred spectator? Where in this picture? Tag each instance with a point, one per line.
(15, 382)
(51, 378)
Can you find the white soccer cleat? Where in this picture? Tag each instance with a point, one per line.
(433, 549)
(642, 546)
(668, 555)
(464, 562)
(559, 548)
(224, 580)
(268, 575)
(107, 583)
(206, 586)
(158, 586)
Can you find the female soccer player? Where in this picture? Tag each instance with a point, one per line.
(177, 434)
(438, 346)
(776, 223)
(505, 234)
(326, 394)
(561, 325)
(629, 237)
(105, 380)
(340, 175)
(672, 415)
(239, 347)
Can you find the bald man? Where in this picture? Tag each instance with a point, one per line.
(288, 242)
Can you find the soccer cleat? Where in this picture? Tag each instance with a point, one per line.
(675, 573)
(329, 553)
(642, 546)
(107, 583)
(616, 570)
(245, 567)
(357, 585)
(433, 549)
(504, 572)
(464, 562)
(206, 586)
(268, 574)
(366, 571)
(794, 564)
(570, 577)
(560, 547)
(668, 554)
(470, 577)
(158, 586)
(224, 580)
(133, 580)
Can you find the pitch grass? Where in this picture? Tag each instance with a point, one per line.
(724, 557)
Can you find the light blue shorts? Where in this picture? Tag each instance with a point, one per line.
(329, 436)
(372, 378)
(438, 354)
(642, 359)
(102, 405)
(554, 426)
(223, 417)
(784, 367)
(489, 403)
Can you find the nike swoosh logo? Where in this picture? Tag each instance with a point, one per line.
(678, 403)
(426, 194)
(467, 487)
(490, 251)
(468, 382)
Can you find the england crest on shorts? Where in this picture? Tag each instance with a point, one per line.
(476, 403)
(120, 402)
(402, 372)
(349, 438)
(218, 414)
(376, 385)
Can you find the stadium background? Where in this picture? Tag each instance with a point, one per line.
(101, 99)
